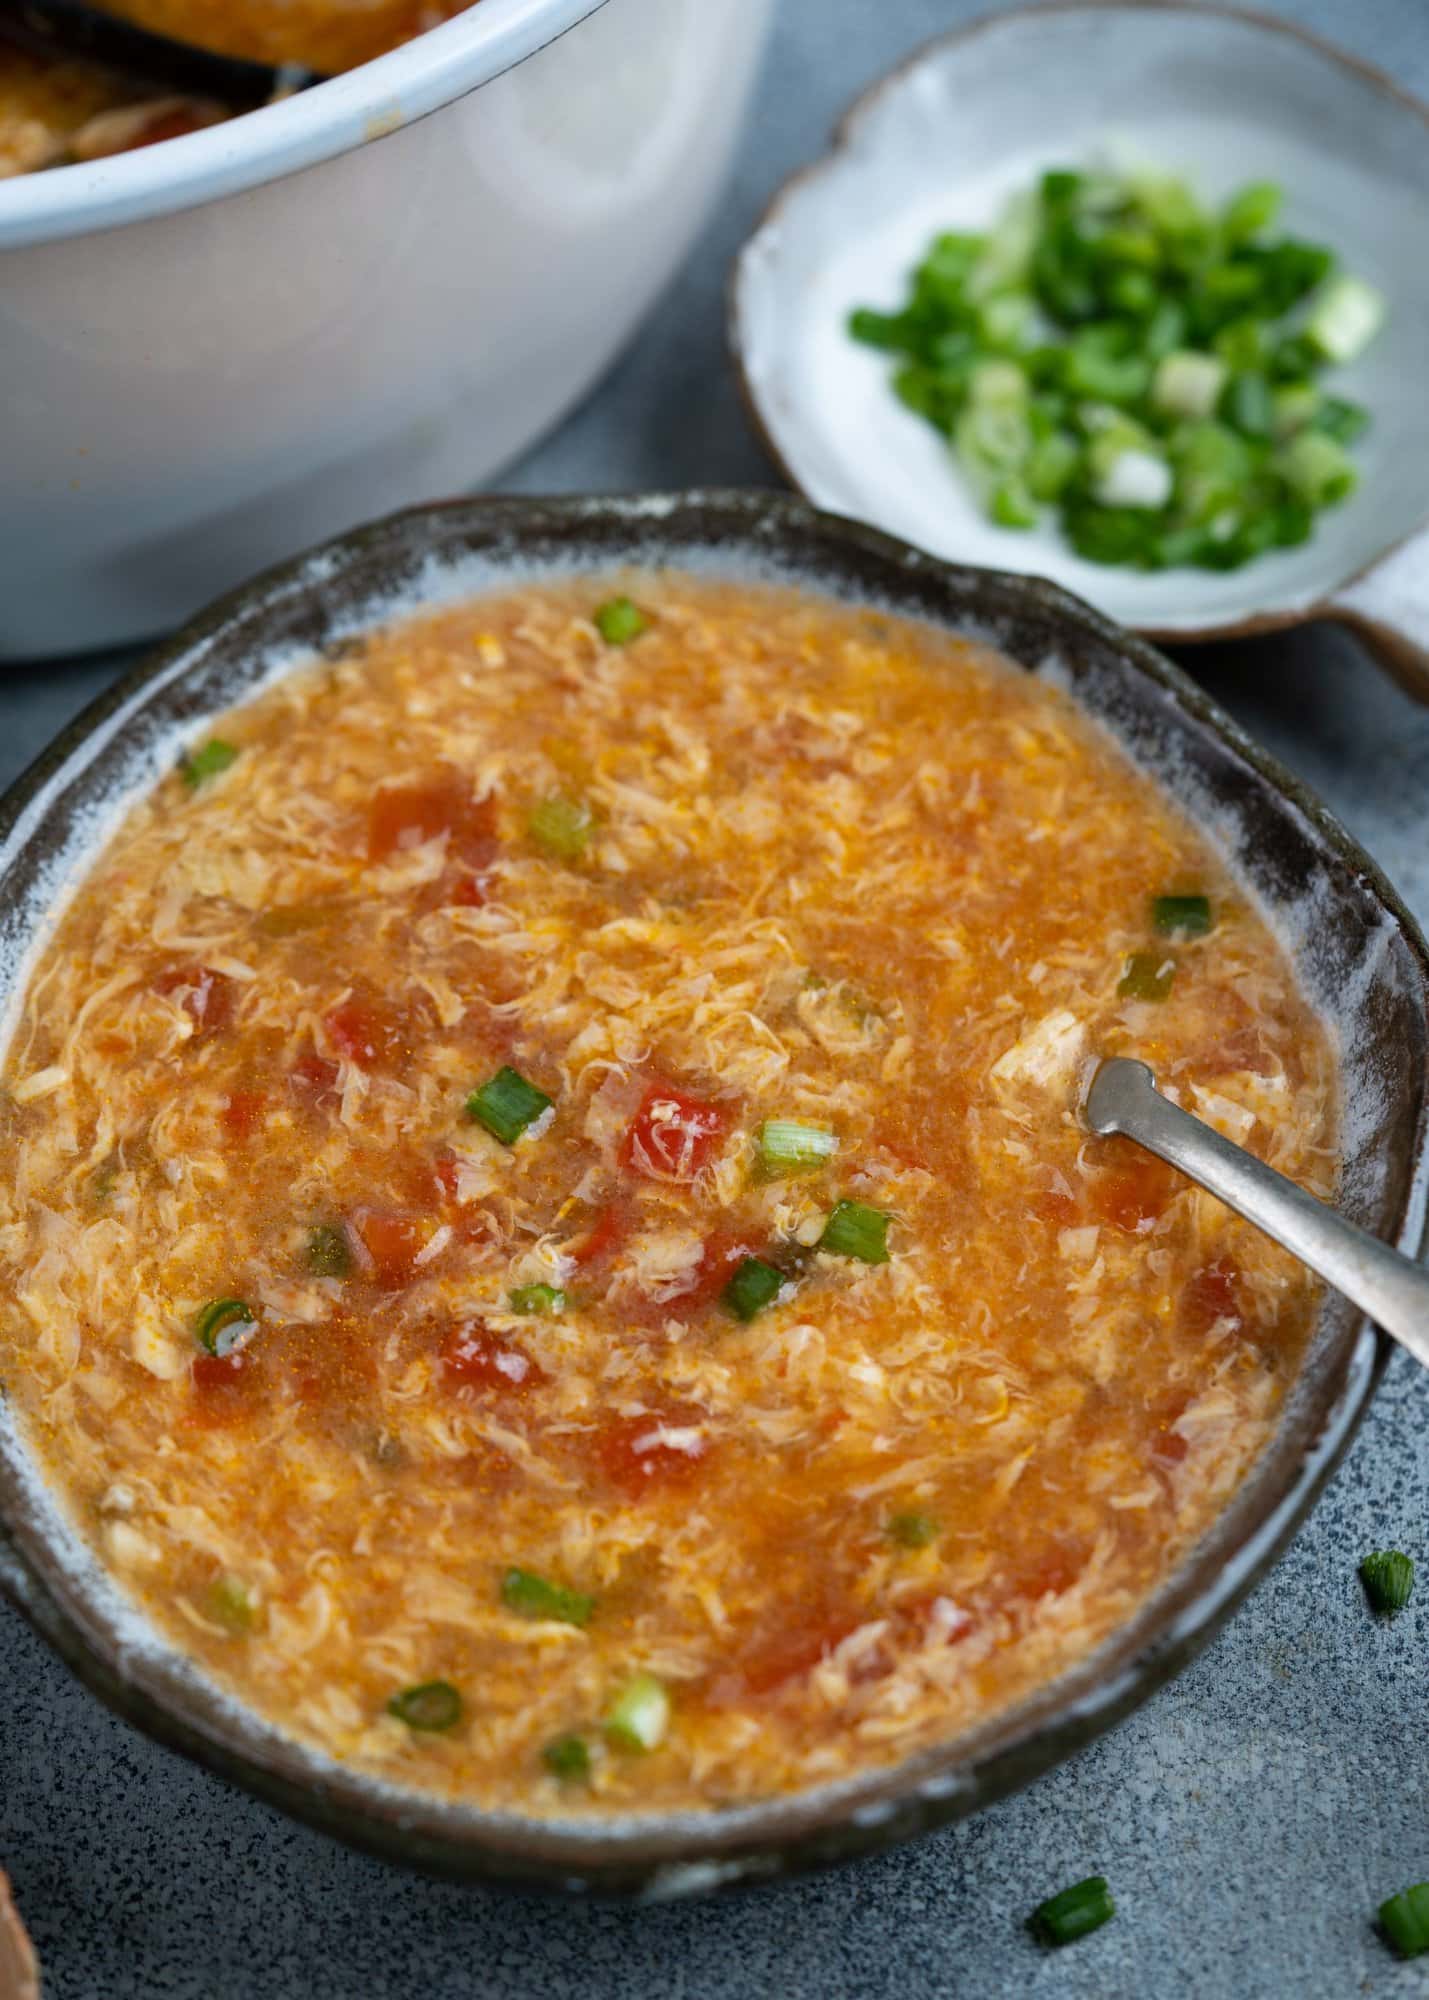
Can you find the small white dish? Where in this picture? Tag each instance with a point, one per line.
(1218, 97)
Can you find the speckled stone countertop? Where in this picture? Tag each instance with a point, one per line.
(1250, 1817)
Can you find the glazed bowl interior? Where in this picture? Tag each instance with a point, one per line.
(1215, 96)
(1355, 948)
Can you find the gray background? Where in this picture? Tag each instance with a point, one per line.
(1250, 1818)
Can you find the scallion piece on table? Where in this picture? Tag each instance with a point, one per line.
(567, 1758)
(1388, 1579)
(787, 1147)
(197, 766)
(1147, 975)
(753, 1286)
(506, 1105)
(856, 1230)
(639, 1716)
(1187, 384)
(533, 1596)
(1184, 916)
(1073, 1913)
(1405, 1920)
(912, 1530)
(432, 1707)
(328, 1253)
(560, 826)
(542, 1299)
(619, 620)
(219, 1327)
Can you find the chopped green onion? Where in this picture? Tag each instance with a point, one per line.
(640, 1714)
(1388, 1578)
(855, 1230)
(329, 1254)
(754, 1286)
(1064, 1918)
(433, 1706)
(1316, 468)
(567, 1758)
(787, 1147)
(1188, 915)
(232, 1603)
(542, 1299)
(1148, 975)
(197, 766)
(534, 1597)
(1187, 384)
(1346, 318)
(1405, 1920)
(506, 1104)
(219, 1327)
(1118, 350)
(619, 620)
(913, 1531)
(561, 826)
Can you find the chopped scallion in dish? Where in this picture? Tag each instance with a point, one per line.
(913, 1531)
(561, 826)
(220, 1326)
(1184, 916)
(535, 1597)
(542, 1299)
(1119, 351)
(567, 1758)
(232, 1603)
(197, 766)
(1388, 1579)
(1147, 975)
(1073, 1913)
(754, 1286)
(639, 1716)
(329, 1255)
(787, 1147)
(506, 1105)
(855, 1230)
(619, 620)
(433, 1706)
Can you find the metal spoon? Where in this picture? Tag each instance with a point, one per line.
(74, 28)
(1392, 1289)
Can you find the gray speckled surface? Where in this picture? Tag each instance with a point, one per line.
(1250, 1817)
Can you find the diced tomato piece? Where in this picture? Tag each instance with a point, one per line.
(313, 1077)
(607, 1232)
(472, 1358)
(1050, 1572)
(673, 1135)
(223, 1388)
(667, 1447)
(1132, 1191)
(720, 1258)
(408, 815)
(769, 1662)
(393, 1242)
(1059, 1209)
(243, 1112)
(205, 996)
(368, 1032)
(1213, 1294)
(464, 890)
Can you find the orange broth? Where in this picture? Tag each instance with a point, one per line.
(527, 1416)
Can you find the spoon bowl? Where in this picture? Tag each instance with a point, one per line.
(1216, 97)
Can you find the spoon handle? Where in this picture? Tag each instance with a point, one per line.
(1392, 1289)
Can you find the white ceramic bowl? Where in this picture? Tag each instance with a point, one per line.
(230, 345)
(1220, 96)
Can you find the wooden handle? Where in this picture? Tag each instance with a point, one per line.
(1388, 607)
